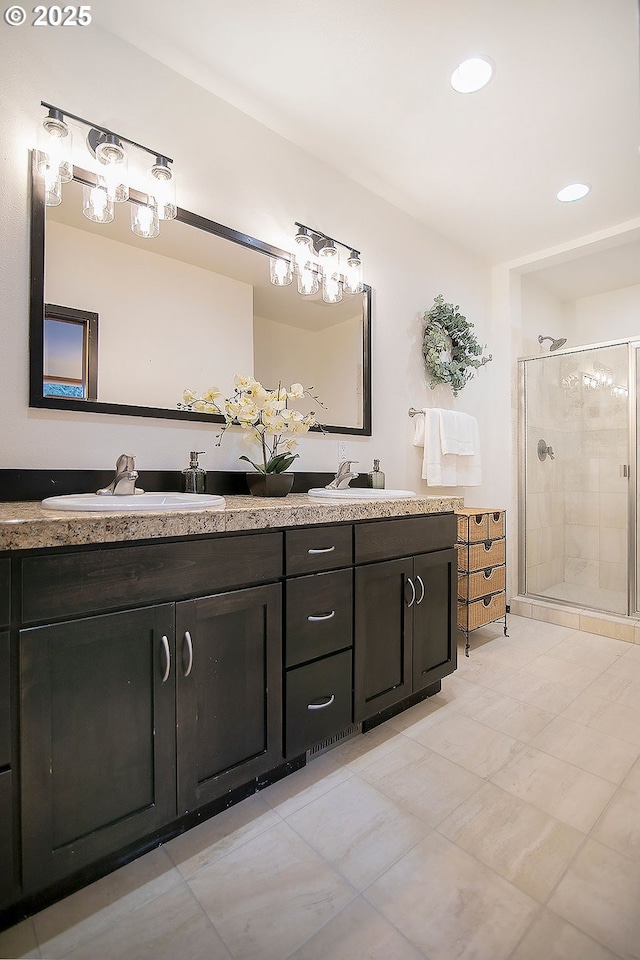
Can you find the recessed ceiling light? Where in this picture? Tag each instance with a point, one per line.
(472, 74)
(573, 191)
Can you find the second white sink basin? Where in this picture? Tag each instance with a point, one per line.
(359, 493)
(134, 503)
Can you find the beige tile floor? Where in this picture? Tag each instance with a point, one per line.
(499, 819)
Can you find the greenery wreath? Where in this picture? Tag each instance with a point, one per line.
(450, 350)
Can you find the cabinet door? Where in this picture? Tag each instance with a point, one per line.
(383, 636)
(97, 738)
(229, 691)
(434, 630)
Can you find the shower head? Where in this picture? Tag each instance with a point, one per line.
(555, 344)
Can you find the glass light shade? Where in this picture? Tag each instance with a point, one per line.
(303, 240)
(308, 280)
(353, 275)
(280, 271)
(114, 167)
(162, 187)
(54, 147)
(331, 287)
(97, 205)
(144, 221)
(52, 187)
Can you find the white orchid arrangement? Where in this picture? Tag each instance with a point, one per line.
(264, 415)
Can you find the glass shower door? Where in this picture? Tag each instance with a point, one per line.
(576, 498)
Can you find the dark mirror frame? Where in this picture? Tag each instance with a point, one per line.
(36, 320)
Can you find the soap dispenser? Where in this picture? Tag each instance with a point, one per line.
(376, 476)
(194, 477)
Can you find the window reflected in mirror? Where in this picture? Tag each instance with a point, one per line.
(70, 366)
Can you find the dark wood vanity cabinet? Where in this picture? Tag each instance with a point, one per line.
(405, 638)
(156, 678)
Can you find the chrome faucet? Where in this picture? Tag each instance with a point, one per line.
(343, 476)
(124, 482)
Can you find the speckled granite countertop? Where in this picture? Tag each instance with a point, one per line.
(26, 526)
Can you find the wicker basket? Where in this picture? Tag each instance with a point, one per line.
(473, 528)
(474, 585)
(491, 553)
(472, 615)
(495, 522)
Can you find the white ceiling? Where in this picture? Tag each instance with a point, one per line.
(364, 85)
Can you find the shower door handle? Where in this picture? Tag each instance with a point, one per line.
(624, 470)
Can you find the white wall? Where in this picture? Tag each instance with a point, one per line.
(319, 359)
(606, 316)
(237, 172)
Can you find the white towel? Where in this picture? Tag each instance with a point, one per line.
(441, 469)
(456, 433)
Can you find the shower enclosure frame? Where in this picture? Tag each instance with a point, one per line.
(633, 539)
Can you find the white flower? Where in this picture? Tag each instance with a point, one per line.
(188, 396)
(212, 394)
(296, 390)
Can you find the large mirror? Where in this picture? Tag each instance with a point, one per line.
(122, 325)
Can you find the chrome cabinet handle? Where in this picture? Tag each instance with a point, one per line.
(321, 550)
(321, 706)
(167, 655)
(413, 592)
(189, 643)
(323, 616)
(419, 578)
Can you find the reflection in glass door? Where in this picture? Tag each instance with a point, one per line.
(576, 477)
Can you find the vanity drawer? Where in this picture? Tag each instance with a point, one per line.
(5, 592)
(318, 548)
(317, 702)
(404, 537)
(319, 611)
(73, 584)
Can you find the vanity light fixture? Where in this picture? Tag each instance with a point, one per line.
(317, 257)
(108, 162)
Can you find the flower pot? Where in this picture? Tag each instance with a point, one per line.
(270, 484)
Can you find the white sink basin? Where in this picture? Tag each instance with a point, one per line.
(134, 503)
(359, 493)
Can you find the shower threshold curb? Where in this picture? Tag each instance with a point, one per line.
(612, 625)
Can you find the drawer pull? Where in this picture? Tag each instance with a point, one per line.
(321, 550)
(189, 643)
(321, 706)
(322, 616)
(413, 592)
(420, 581)
(167, 656)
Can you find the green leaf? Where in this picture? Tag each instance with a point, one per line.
(258, 467)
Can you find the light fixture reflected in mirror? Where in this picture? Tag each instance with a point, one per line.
(308, 278)
(144, 220)
(97, 205)
(280, 271)
(331, 286)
